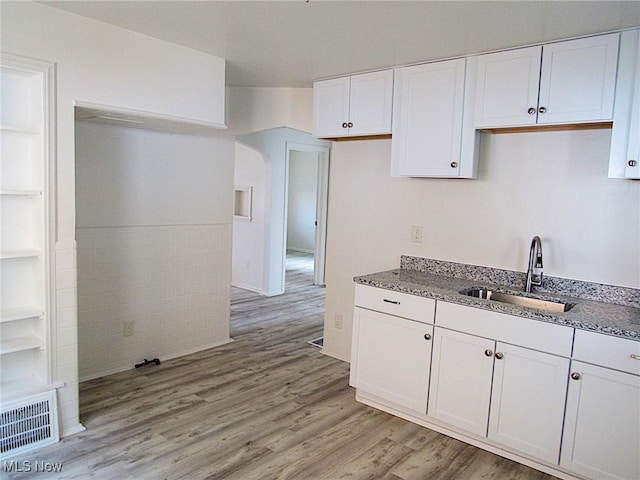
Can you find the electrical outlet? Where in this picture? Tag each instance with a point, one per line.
(337, 322)
(128, 328)
(416, 233)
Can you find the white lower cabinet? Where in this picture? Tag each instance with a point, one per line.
(391, 346)
(461, 380)
(527, 401)
(512, 395)
(392, 358)
(561, 400)
(601, 437)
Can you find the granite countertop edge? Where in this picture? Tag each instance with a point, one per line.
(586, 314)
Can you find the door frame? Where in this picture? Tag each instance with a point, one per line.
(322, 201)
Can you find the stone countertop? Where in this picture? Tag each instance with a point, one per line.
(586, 314)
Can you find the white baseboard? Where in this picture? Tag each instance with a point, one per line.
(248, 287)
(162, 359)
(300, 250)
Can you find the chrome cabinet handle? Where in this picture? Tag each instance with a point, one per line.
(575, 376)
(344, 125)
(488, 352)
(390, 301)
(634, 356)
(632, 163)
(427, 336)
(499, 355)
(454, 164)
(542, 110)
(350, 124)
(531, 111)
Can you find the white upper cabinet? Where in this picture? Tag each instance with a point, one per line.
(430, 138)
(358, 105)
(563, 82)
(507, 87)
(624, 159)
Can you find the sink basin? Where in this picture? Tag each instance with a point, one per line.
(519, 300)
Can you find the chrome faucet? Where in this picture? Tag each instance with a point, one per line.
(535, 261)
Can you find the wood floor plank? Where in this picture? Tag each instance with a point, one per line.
(266, 406)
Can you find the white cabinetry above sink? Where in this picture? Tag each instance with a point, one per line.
(624, 160)
(564, 82)
(432, 134)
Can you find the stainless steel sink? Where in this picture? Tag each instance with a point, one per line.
(519, 300)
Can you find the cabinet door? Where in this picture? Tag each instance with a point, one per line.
(370, 103)
(602, 425)
(577, 80)
(391, 358)
(527, 401)
(461, 380)
(427, 125)
(632, 166)
(331, 107)
(507, 88)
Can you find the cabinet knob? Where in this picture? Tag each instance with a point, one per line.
(350, 124)
(454, 164)
(575, 376)
(499, 355)
(531, 111)
(427, 336)
(634, 356)
(542, 110)
(488, 352)
(632, 163)
(344, 125)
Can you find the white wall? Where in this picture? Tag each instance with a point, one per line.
(255, 109)
(100, 64)
(249, 247)
(302, 199)
(256, 116)
(153, 232)
(273, 145)
(550, 184)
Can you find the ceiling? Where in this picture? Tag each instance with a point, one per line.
(290, 43)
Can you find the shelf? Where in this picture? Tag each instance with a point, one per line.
(24, 313)
(17, 129)
(25, 387)
(23, 193)
(20, 344)
(25, 253)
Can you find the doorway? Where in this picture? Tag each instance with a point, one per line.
(307, 169)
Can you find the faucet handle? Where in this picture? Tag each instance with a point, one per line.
(536, 280)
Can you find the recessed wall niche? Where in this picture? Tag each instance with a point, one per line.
(242, 203)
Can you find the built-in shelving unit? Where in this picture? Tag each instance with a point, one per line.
(25, 251)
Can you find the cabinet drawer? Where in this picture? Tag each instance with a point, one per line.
(395, 303)
(607, 351)
(534, 334)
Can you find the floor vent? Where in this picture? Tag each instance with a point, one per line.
(28, 423)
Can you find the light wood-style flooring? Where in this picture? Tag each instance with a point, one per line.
(266, 406)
